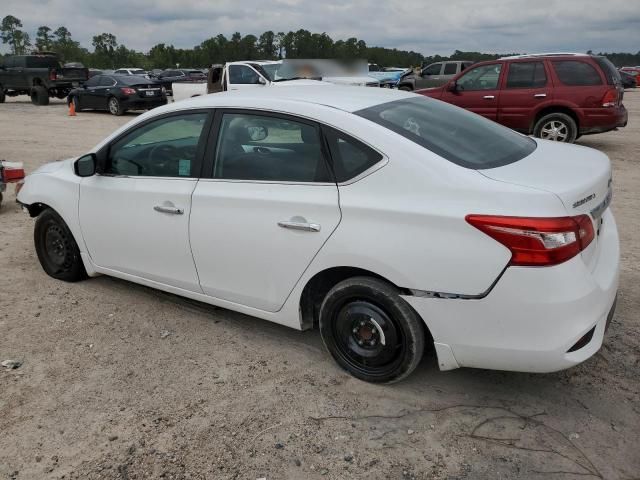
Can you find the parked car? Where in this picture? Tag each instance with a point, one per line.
(554, 97)
(139, 72)
(117, 94)
(388, 77)
(94, 71)
(628, 80)
(432, 75)
(635, 71)
(499, 249)
(243, 75)
(169, 77)
(40, 76)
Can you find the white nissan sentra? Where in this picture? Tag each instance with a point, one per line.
(390, 220)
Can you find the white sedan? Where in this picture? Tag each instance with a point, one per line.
(390, 220)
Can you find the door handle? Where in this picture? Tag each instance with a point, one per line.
(540, 95)
(489, 97)
(167, 209)
(306, 227)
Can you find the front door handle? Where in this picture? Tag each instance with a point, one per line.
(304, 226)
(489, 97)
(540, 95)
(167, 209)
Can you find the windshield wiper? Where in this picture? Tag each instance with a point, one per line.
(287, 79)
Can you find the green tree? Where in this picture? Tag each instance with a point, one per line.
(105, 46)
(10, 33)
(44, 38)
(267, 45)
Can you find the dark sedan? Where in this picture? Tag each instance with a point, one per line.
(628, 80)
(168, 77)
(118, 93)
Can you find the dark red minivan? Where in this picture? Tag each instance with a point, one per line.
(552, 96)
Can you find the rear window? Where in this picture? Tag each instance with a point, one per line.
(575, 73)
(455, 134)
(42, 62)
(609, 69)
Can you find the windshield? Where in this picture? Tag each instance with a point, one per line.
(455, 134)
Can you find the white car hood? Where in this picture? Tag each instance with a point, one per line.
(53, 166)
(350, 80)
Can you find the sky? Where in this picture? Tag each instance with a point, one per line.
(425, 26)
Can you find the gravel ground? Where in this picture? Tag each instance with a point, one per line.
(120, 381)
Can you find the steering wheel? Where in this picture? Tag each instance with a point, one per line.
(160, 157)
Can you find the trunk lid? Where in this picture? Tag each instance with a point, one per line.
(580, 177)
(71, 74)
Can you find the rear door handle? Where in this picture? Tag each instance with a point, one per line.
(540, 95)
(306, 227)
(167, 209)
(489, 97)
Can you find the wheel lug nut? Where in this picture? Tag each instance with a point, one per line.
(355, 330)
(360, 342)
(362, 323)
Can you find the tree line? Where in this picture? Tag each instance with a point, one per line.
(108, 53)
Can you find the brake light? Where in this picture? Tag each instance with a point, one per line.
(537, 241)
(53, 75)
(610, 98)
(128, 90)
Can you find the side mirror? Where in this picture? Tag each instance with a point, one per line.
(85, 166)
(262, 81)
(452, 87)
(257, 132)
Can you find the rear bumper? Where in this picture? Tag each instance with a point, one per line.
(603, 120)
(533, 316)
(143, 104)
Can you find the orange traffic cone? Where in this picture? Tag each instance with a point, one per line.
(72, 109)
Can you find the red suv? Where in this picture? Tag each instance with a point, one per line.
(552, 96)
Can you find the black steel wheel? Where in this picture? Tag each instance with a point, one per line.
(371, 331)
(56, 248)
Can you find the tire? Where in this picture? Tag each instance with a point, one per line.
(114, 106)
(370, 331)
(39, 95)
(406, 88)
(557, 126)
(76, 103)
(57, 249)
(3, 96)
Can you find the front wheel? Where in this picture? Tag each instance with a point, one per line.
(57, 250)
(39, 95)
(115, 107)
(558, 127)
(370, 331)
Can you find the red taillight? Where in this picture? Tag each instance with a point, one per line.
(128, 90)
(53, 75)
(610, 98)
(537, 241)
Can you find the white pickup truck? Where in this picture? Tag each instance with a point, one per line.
(253, 74)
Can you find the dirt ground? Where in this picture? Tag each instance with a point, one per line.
(104, 392)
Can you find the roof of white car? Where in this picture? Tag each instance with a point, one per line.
(346, 98)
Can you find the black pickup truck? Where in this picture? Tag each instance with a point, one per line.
(40, 76)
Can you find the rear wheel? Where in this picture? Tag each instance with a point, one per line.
(558, 127)
(370, 331)
(39, 95)
(57, 250)
(406, 88)
(115, 107)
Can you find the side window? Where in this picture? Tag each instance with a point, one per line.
(106, 82)
(260, 147)
(118, 72)
(432, 69)
(450, 68)
(481, 78)
(575, 73)
(163, 148)
(241, 74)
(349, 157)
(93, 82)
(526, 75)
